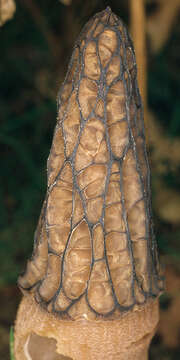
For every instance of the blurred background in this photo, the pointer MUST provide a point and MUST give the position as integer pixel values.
(36, 40)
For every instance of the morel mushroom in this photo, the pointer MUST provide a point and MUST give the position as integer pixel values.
(92, 284)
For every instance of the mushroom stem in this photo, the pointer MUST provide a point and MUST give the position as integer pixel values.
(138, 32)
(166, 14)
(7, 10)
(125, 338)
(92, 284)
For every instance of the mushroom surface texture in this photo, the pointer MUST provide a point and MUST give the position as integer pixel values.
(92, 284)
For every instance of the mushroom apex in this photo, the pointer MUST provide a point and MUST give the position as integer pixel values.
(108, 9)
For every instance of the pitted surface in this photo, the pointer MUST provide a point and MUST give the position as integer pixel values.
(95, 252)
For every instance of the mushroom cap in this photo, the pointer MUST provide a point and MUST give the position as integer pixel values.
(94, 253)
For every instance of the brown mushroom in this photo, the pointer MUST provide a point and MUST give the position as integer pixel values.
(93, 281)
